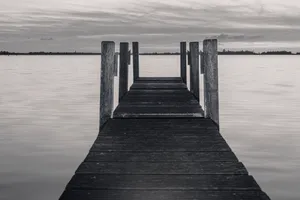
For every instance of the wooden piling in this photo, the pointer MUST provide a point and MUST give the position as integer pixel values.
(189, 57)
(123, 76)
(135, 58)
(201, 63)
(107, 81)
(211, 93)
(116, 57)
(129, 57)
(194, 69)
(183, 61)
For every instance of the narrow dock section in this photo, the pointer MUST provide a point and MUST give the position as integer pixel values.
(159, 144)
(158, 97)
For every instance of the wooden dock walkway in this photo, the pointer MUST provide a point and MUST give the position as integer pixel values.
(159, 144)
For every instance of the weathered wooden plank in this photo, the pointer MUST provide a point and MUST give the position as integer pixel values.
(162, 139)
(207, 146)
(168, 156)
(183, 61)
(158, 131)
(156, 91)
(173, 98)
(159, 79)
(159, 103)
(164, 110)
(176, 93)
(162, 195)
(146, 86)
(159, 111)
(159, 182)
(190, 167)
(107, 81)
(123, 77)
(175, 123)
(180, 125)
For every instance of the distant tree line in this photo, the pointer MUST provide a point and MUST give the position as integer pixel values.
(224, 52)
(243, 52)
(48, 53)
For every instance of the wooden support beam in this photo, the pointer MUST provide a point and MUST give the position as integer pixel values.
(202, 63)
(189, 57)
(183, 61)
(116, 56)
(107, 81)
(123, 76)
(129, 57)
(135, 58)
(194, 69)
(211, 93)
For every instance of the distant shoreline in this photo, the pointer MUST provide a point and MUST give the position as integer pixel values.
(224, 52)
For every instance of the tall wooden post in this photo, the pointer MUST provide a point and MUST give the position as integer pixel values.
(201, 63)
(129, 57)
(211, 93)
(194, 69)
(183, 61)
(116, 59)
(123, 76)
(136, 62)
(107, 81)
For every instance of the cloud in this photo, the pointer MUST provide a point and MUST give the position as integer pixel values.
(76, 25)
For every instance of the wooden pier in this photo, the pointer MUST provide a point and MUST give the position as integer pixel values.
(159, 143)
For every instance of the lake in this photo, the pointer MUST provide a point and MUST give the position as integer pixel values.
(49, 111)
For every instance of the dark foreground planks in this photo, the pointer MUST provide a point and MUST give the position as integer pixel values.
(162, 195)
(144, 159)
(159, 147)
(190, 167)
(158, 182)
(162, 156)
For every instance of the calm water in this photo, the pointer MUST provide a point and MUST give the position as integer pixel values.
(49, 107)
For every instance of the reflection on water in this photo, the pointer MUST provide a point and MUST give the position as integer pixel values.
(49, 107)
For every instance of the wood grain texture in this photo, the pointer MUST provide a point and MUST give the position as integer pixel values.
(145, 168)
(183, 61)
(163, 156)
(163, 195)
(123, 76)
(147, 86)
(211, 83)
(194, 70)
(159, 79)
(106, 81)
(171, 182)
(135, 60)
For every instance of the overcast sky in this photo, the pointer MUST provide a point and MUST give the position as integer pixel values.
(81, 25)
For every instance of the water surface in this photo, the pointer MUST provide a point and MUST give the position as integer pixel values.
(49, 108)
